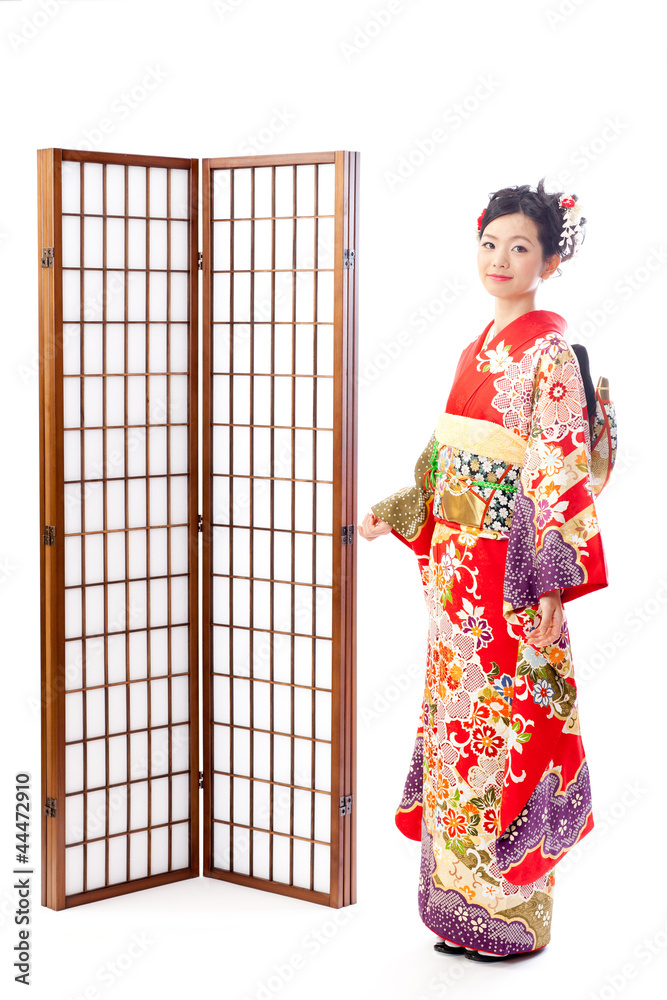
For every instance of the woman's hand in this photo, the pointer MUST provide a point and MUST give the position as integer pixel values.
(372, 527)
(550, 610)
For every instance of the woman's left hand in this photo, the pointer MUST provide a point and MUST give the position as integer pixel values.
(550, 610)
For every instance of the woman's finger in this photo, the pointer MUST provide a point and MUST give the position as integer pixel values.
(549, 627)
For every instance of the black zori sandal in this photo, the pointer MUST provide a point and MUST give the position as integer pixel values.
(448, 949)
(481, 956)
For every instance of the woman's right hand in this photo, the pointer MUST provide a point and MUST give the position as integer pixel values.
(372, 527)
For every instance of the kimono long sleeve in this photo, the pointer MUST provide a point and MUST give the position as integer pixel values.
(410, 510)
(554, 539)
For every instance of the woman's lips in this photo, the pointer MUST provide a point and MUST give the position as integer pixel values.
(500, 277)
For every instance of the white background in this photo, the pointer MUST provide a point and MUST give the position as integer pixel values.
(570, 90)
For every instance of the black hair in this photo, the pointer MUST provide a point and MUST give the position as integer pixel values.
(540, 206)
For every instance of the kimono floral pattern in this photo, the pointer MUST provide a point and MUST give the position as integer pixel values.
(498, 788)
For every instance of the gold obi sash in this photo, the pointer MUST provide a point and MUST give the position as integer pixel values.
(475, 468)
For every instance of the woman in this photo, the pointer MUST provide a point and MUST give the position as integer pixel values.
(503, 522)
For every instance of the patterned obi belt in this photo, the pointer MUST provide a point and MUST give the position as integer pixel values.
(474, 473)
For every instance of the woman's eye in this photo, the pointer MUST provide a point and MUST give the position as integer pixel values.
(517, 247)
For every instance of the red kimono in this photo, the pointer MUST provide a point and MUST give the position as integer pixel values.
(502, 511)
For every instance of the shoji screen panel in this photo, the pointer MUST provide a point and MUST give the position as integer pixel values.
(279, 421)
(118, 388)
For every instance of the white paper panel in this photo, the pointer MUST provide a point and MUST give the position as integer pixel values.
(159, 801)
(301, 864)
(137, 190)
(281, 847)
(74, 767)
(117, 859)
(95, 871)
(180, 793)
(71, 186)
(180, 846)
(118, 797)
(117, 759)
(261, 842)
(74, 870)
(180, 194)
(322, 856)
(138, 855)
(92, 185)
(159, 850)
(96, 763)
(74, 818)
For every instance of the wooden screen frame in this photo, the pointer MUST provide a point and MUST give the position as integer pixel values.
(342, 891)
(344, 732)
(52, 556)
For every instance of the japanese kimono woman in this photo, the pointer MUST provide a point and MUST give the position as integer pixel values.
(502, 510)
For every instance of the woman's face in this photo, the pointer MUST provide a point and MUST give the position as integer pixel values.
(510, 247)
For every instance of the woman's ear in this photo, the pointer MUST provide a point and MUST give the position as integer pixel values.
(550, 266)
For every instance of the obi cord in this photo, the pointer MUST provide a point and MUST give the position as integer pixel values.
(429, 477)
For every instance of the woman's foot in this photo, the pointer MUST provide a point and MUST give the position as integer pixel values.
(448, 948)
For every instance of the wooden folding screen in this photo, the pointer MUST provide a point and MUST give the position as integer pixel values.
(278, 563)
(118, 237)
(118, 327)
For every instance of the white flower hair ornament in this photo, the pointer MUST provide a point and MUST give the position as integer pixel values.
(571, 234)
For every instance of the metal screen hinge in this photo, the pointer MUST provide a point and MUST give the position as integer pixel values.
(201, 779)
(200, 522)
(51, 807)
(345, 805)
(348, 258)
(47, 257)
(49, 536)
(200, 261)
(347, 534)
